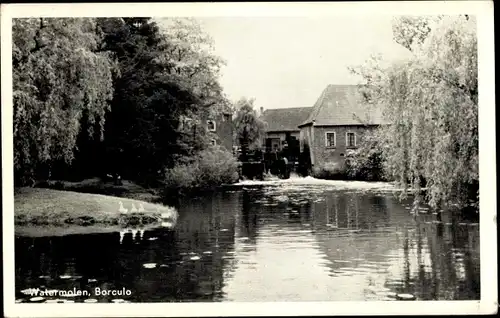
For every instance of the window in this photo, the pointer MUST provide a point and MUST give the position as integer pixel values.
(350, 138)
(211, 125)
(226, 117)
(330, 139)
(213, 142)
(185, 123)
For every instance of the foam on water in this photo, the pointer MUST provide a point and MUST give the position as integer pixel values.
(298, 181)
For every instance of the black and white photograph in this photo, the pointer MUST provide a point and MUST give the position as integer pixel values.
(248, 159)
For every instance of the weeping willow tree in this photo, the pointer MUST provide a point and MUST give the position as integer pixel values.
(431, 103)
(249, 128)
(59, 76)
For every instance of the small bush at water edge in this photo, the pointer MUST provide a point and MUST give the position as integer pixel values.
(365, 164)
(211, 167)
(329, 171)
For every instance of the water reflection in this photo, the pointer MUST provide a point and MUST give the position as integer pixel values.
(271, 244)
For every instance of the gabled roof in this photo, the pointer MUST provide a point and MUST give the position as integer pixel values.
(342, 105)
(285, 119)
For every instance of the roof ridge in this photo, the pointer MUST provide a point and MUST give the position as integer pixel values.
(316, 107)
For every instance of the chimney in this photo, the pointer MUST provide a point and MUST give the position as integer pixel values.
(261, 110)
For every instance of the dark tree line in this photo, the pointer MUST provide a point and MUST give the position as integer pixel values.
(109, 95)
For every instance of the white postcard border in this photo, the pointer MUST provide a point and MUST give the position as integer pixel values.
(488, 248)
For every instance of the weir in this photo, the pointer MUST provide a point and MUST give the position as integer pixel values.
(258, 164)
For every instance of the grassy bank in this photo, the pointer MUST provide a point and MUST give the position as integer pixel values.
(67, 209)
(126, 189)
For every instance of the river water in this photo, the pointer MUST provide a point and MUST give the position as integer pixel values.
(275, 242)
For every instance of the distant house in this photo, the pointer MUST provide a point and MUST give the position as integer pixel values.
(282, 126)
(218, 124)
(336, 124)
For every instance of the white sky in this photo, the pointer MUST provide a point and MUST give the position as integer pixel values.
(288, 61)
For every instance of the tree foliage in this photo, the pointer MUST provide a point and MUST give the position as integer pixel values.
(141, 131)
(249, 129)
(366, 162)
(207, 169)
(59, 75)
(127, 81)
(166, 79)
(411, 31)
(431, 103)
(188, 57)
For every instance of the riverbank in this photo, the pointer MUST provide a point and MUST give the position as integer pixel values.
(73, 212)
(126, 189)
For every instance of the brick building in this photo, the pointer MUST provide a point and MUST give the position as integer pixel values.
(336, 124)
(221, 127)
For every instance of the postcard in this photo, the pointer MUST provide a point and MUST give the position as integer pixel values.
(248, 159)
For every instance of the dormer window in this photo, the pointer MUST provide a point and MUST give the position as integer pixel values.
(211, 125)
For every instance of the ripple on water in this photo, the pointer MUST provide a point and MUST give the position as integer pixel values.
(342, 261)
(37, 299)
(90, 300)
(371, 265)
(118, 301)
(394, 284)
(405, 297)
(360, 270)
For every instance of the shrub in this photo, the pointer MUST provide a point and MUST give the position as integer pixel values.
(329, 171)
(211, 167)
(365, 164)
